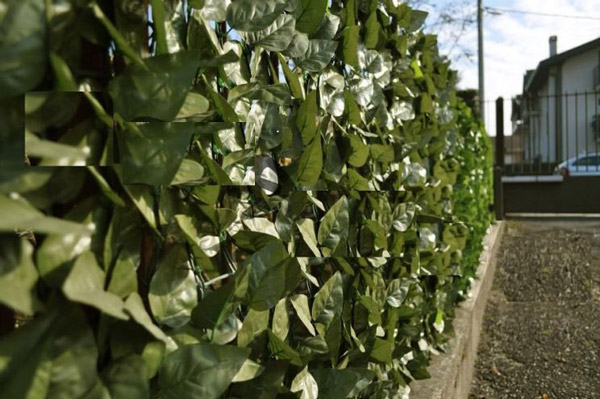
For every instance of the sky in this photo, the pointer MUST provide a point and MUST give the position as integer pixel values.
(515, 42)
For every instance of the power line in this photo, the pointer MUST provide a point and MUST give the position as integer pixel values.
(493, 10)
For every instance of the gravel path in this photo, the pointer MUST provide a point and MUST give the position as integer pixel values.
(541, 336)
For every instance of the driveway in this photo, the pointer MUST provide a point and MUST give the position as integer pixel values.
(541, 336)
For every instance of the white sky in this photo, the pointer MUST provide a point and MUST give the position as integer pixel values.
(517, 42)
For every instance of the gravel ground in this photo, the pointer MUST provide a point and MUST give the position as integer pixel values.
(541, 336)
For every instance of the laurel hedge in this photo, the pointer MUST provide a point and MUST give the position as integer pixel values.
(230, 199)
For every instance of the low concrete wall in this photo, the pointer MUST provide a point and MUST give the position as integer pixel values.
(452, 372)
(572, 195)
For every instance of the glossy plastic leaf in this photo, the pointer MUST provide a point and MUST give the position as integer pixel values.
(173, 293)
(305, 383)
(309, 15)
(318, 56)
(307, 230)
(153, 152)
(200, 371)
(253, 15)
(310, 164)
(271, 276)
(85, 284)
(329, 300)
(23, 46)
(255, 323)
(277, 36)
(281, 320)
(300, 304)
(18, 275)
(306, 119)
(157, 92)
(334, 226)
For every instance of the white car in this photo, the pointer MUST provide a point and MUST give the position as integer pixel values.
(582, 165)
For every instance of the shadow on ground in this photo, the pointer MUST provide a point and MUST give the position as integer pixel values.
(541, 336)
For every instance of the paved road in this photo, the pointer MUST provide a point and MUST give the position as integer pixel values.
(541, 336)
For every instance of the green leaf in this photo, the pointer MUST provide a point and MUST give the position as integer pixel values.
(267, 385)
(85, 284)
(351, 109)
(125, 378)
(18, 215)
(223, 107)
(281, 320)
(123, 279)
(271, 133)
(305, 383)
(328, 29)
(300, 304)
(309, 15)
(52, 356)
(277, 36)
(156, 92)
(18, 275)
(64, 78)
(255, 323)
(306, 119)
(134, 306)
(249, 371)
(275, 94)
(173, 293)
(23, 51)
(341, 384)
(105, 187)
(356, 181)
(382, 153)
(152, 153)
(291, 78)
(194, 105)
(372, 34)
(120, 41)
(310, 164)
(272, 274)
(280, 350)
(160, 33)
(318, 56)
(218, 305)
(333, 230)
(200, 371)
(359, 152)
(307, 230)
(298, 47)
(253, 15)
(189, 173)
(329, 300)
(350, 49)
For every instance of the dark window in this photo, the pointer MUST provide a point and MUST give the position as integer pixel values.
(588, 161)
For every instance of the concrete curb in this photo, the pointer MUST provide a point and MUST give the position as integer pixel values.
(452, 372)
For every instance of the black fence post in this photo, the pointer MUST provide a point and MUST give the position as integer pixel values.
(499, 164)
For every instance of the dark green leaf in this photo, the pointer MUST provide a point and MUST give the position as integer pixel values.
(334, 227)
(200, 371)
(157, 92)
(309, 15)
(153, 152)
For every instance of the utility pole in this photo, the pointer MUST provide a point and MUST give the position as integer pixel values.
(480, 53)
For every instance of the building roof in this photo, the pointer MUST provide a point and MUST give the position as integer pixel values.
(538, 77)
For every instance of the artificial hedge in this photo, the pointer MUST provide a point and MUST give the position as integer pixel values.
(245, 199)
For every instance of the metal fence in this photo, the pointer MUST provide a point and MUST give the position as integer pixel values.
(547, 130)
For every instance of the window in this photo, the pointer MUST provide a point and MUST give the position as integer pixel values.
(588, 161)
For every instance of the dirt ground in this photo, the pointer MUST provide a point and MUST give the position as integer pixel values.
(541, 336)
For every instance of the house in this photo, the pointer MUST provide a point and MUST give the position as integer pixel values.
(557, 116)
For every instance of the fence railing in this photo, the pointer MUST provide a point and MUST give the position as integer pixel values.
(548, 130)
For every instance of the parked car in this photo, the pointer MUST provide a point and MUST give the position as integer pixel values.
(582, 165)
